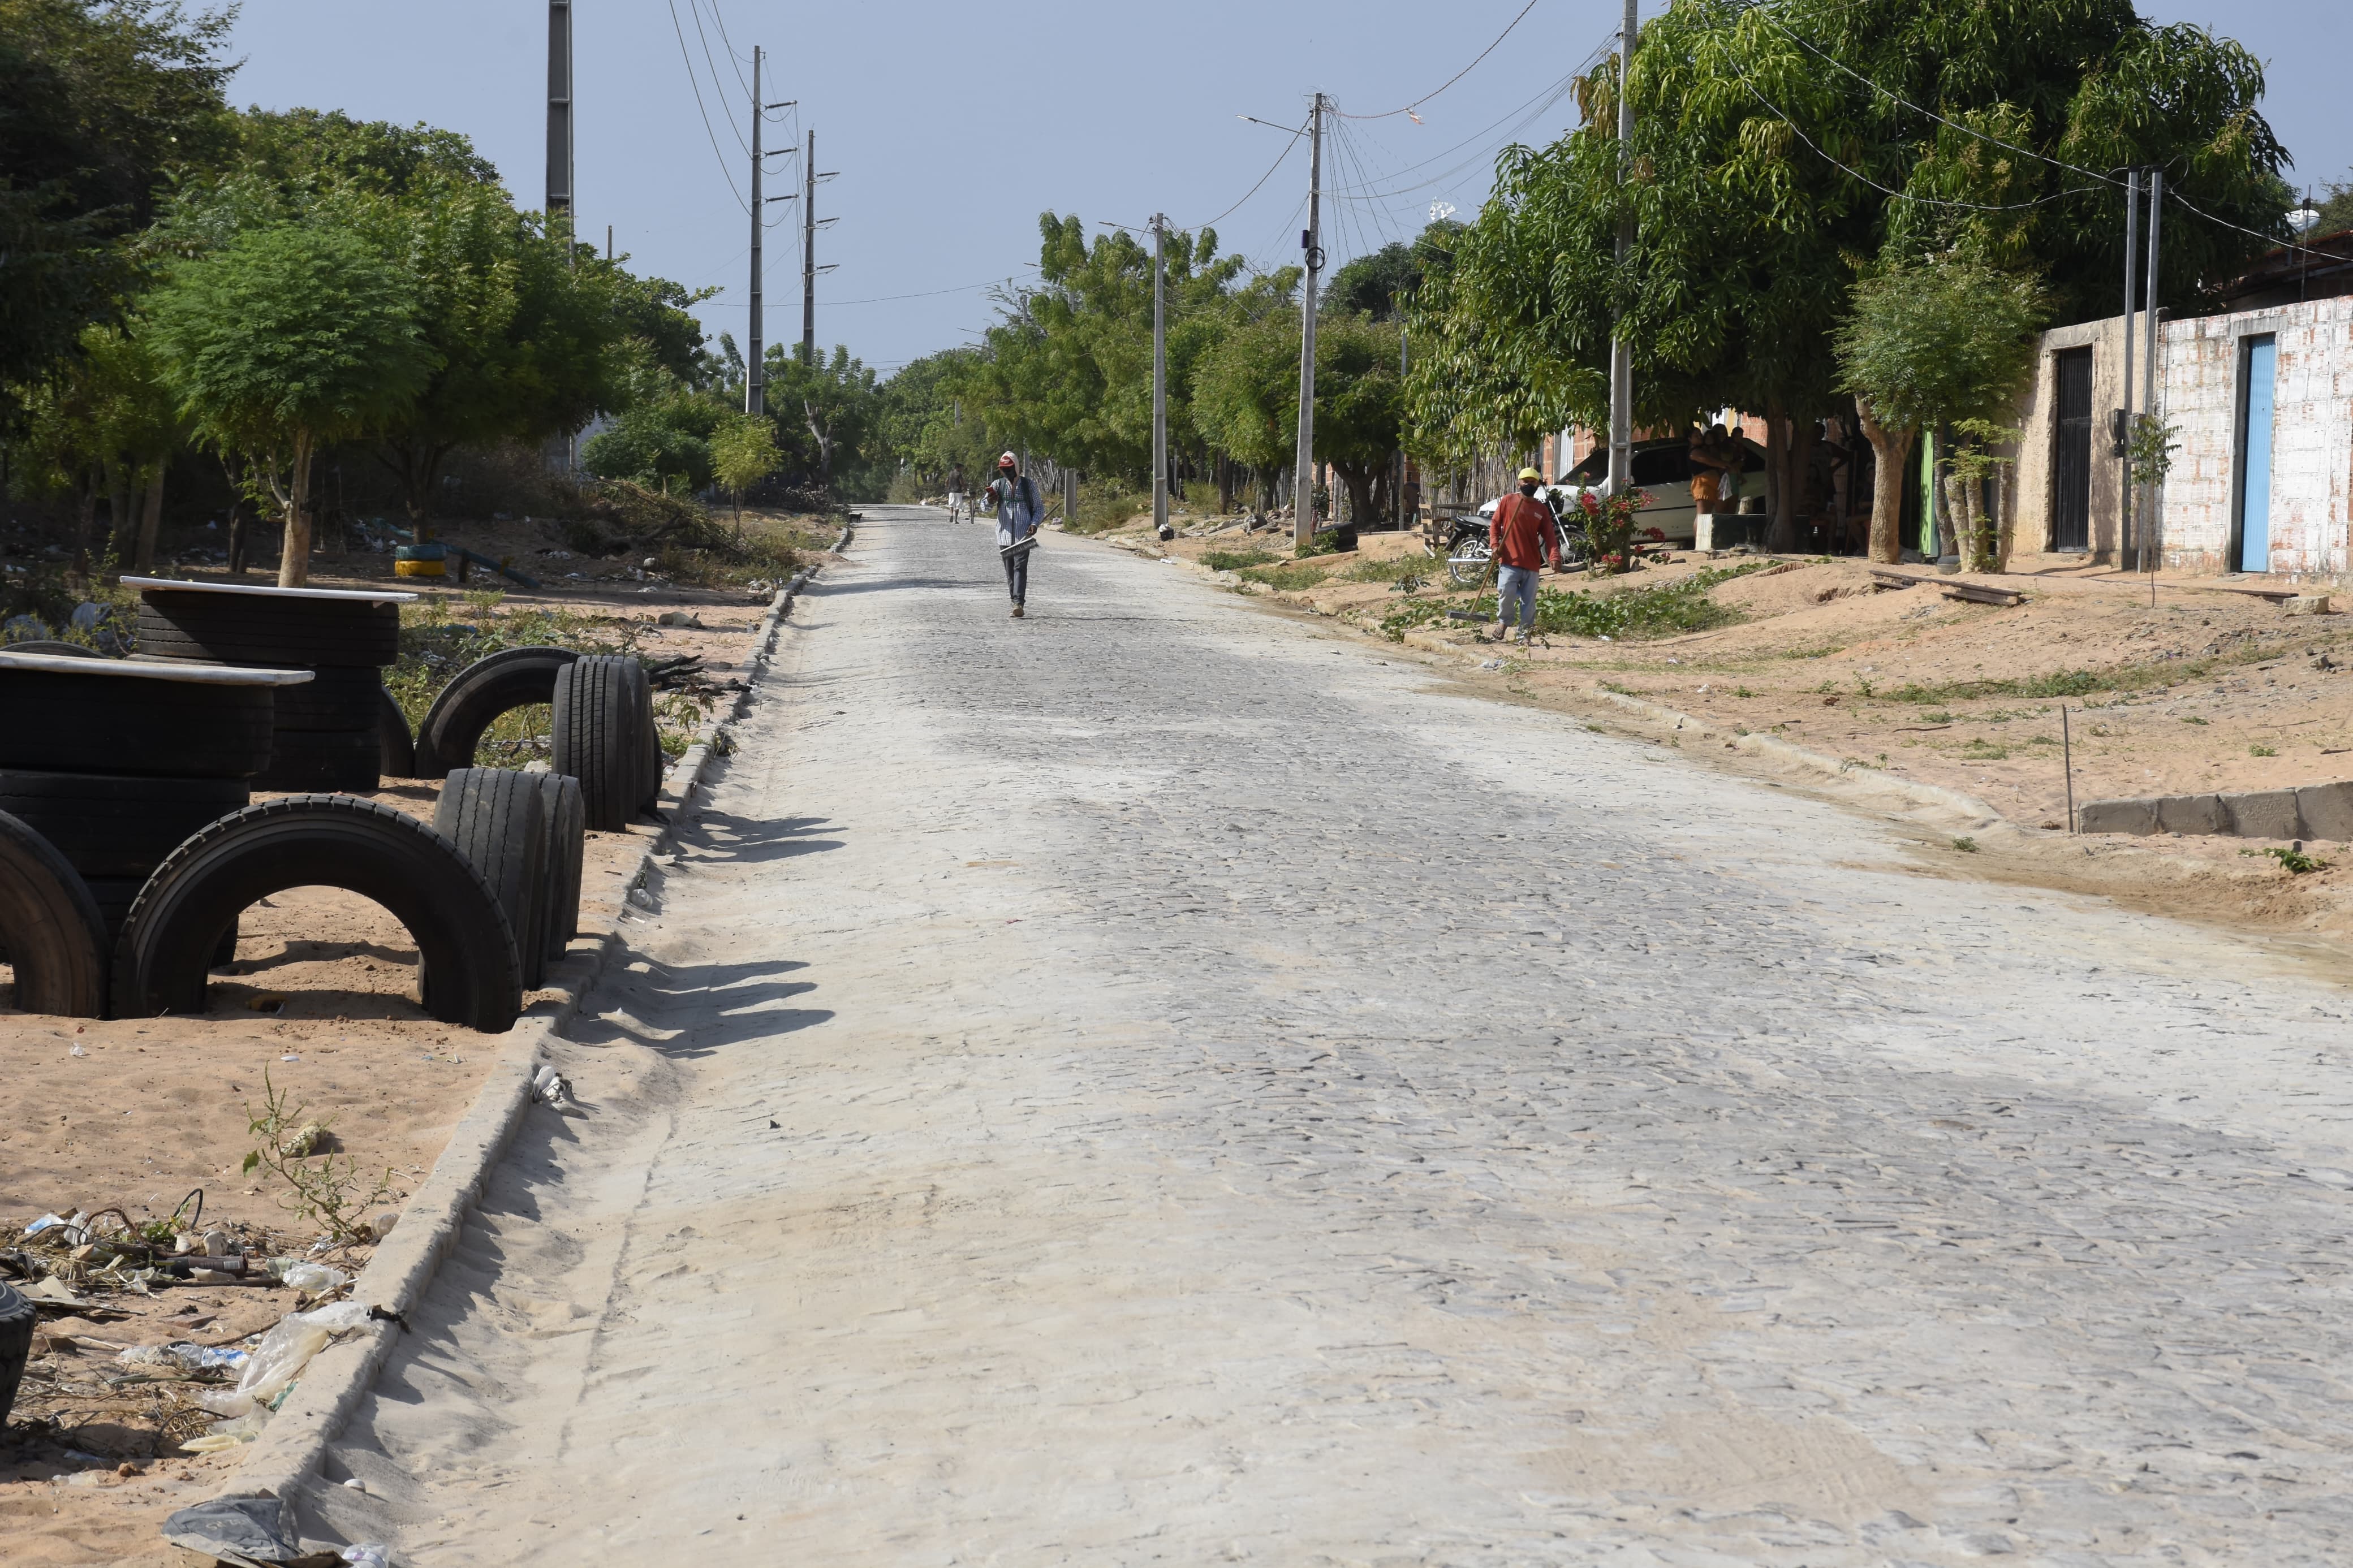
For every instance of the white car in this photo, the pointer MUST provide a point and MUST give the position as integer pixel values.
(1662, 471)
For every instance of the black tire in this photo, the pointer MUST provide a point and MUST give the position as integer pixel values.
(495, 818)
(657, 764)
(344, 761)
(336, 697)
(111, 723)
(52, 650)
(50, 927)
(258, 628)
(331, 841)
(395, 748)
(16, 1320)
(108, 826)
(598, 736)
(566, 819)
(476, 694)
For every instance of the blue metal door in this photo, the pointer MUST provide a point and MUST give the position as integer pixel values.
(2255, 401)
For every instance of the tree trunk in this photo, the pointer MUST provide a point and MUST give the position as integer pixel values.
(1798, 485)
(1889, 449)
(85, 522)
(150, 519)
(823, 435)
(1359, 484)
(294, 558)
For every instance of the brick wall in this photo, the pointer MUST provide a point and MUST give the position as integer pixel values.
(2312, 440)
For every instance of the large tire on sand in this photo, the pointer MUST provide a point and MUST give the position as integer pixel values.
(109, 722)
(331, 841)
(52, 648)
(603, 706)
(495, 818)
(16, 1317)
(567, 821)
(475, 697)
(257, 628)
(50, 927)
(336, 697)
(347, 762)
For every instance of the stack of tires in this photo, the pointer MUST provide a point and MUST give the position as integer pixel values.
(603, 734)
(342, 731)
(113, 763)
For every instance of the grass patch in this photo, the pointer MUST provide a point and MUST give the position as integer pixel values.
(1371, 571)
(1967, 846)
(1323, 541)
(2066, 683)
(1235, 560)
(2193, 721)
(1287, 579)
(1985, 752)
(2261, 752)
(1630, 614)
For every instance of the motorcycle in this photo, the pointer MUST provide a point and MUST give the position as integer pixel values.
(1468, 557)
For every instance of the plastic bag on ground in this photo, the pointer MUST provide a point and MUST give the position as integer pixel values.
(186, 1357)
(314, 1278)
(287, 1349)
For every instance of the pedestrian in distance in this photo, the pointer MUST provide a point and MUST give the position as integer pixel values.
(955, 494)
(1016, 500)
(1523, 535)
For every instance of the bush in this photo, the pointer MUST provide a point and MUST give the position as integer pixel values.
(1235, 560)
(1668, 610)
(1323, 541)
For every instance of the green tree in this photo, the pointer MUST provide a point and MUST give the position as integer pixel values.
(1945, 342)
(102, 106)
(2336, 207)
(287, 338)
(1383, 283)
(1247, 398)
(102, 425)
(836, 403)
(659, 439)
(744, 453)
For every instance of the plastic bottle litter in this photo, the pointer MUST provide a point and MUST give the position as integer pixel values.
(287, 1349)
(188, 1357)
(226, 1403)
(314, 1278)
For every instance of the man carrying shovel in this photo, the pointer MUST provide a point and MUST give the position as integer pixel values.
(1523, 535)
(1016, 500)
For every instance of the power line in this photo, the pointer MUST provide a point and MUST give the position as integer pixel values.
(695, 82)
(1449, 81)
(717, 85)
(1279, 159)
(1528, 109)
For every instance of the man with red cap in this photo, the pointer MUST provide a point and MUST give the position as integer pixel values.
(1016, 500)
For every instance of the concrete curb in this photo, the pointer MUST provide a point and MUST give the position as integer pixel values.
(292, 1446)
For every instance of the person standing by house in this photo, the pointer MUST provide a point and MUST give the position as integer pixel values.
(1523, 535)
(1709, 460)
(955, 494)
(1016, 500)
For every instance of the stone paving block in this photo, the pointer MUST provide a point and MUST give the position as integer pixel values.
(2328, 811)
(2191, 813)
(2133, 816)
(2264, 814)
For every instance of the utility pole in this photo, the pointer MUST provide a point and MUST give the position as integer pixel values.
(2123, 431)
(808, 251)
(559, 113)
(1311, 241)
(2148, 540)
(1404, 369)
(1160, 375)
(756, 381)
(1621, 353)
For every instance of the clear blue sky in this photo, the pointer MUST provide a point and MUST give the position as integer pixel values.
(955, 125)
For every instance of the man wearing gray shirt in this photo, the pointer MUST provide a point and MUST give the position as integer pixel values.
(1016, 500)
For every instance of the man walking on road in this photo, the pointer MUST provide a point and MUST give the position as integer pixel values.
(1523, 535)
(1016, 500)
(955, 494)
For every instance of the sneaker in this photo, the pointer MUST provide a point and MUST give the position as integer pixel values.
(1016, 612)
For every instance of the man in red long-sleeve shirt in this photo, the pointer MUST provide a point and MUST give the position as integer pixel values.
(1524, 534)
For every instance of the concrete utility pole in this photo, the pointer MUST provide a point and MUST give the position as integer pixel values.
(559, 113)
(1159, 373)
(1310, 240)
(1621, 353)
(2148, 540)
(808, 251)
(756, 381)
(2123, 431)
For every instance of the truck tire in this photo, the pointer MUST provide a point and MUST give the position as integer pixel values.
(109, 826)
(495, 818)
(331, 841)
(566, 819)
(395, 748)
(255, 628)
(114, 723)
(343, 761)
(598, 737)
(50, 927)
(475, 697)
(53, 649)
(336, 697)
(17, 1317)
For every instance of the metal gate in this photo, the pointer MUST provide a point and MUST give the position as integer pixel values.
(2071, 461)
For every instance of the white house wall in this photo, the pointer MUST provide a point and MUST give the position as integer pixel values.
(2312, 442)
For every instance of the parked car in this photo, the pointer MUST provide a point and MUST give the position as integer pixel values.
(1663, 469)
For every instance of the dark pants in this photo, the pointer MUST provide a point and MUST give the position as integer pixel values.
(1016, 576)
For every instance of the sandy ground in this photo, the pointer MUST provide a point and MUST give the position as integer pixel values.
(1069, 1110)
(321, 1000)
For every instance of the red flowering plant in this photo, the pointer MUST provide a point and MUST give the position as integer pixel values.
(1609, 529)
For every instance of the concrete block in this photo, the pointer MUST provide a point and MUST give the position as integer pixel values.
(2191, 813)
(2264, 814)
(2327, 811)
(2117, 816)
(2308, 604)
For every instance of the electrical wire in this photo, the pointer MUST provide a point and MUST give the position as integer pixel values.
(696, 83)
(717, 85)
(729, 44)
(2172, 195)
(1526, 110)
(1281, 158)
(1457, 76)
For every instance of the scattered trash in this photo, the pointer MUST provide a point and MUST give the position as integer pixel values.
(1491, 664)
(550, 1088)
(679, 618)
(287, 1349)
(51, 1222)
(289, 1056)
(234, 1529)
(384, 1223)
(367, 1553)
(76, 1051)
(188, 1357)
(314, 1278)
(53, 1290)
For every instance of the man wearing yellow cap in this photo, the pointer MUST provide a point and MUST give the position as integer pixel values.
(1523, 535)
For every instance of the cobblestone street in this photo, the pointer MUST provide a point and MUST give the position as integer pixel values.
(1160, 1083)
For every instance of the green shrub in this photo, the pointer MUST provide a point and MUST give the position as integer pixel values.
(1235, 560)
(1323, 541)
(1630, 614)
(1287, 579)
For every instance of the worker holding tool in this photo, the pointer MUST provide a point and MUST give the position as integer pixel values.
(1016, 500)
(1523, 535)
